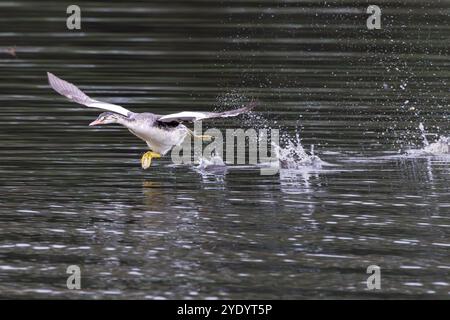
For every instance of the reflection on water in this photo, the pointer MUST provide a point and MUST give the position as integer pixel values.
(71, 194)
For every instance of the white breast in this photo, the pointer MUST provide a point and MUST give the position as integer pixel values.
(161, 140)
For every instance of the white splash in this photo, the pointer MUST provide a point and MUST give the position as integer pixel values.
(294, 156)
(424, 135)
(438, 148)
(213, 163)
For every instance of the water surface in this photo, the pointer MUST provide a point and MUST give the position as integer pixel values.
(76, 195)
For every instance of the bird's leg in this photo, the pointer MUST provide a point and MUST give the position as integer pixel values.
(201, 136)
(204, 137)
(146, 159)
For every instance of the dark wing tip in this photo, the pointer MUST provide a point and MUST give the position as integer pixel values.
(52, 79)
(67, 89)
(253, 103)
(50, 76)
(247, 108)
(57, 84)
(236, 112)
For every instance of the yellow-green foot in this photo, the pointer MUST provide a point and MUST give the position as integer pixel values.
(204, 137)
(146, 159)
(200, 136)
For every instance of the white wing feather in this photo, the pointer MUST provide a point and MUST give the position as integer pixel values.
(195, 116)
(71, 92)
(184, 116)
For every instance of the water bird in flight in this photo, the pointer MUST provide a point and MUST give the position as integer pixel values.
(160, 132)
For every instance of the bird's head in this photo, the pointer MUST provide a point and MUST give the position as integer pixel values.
(105, 118)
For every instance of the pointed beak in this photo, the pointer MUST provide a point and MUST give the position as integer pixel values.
(95, 122)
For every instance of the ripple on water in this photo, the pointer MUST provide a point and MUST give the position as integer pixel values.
(72, 194)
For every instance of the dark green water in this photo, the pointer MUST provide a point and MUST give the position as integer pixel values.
(76, 195)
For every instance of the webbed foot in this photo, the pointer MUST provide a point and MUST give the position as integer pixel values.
(146, 159)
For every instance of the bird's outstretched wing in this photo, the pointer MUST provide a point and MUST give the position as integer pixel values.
(195, 116)
(71, 92)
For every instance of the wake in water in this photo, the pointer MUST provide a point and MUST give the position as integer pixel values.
(287, 154)
(291, 156)
(440, 148)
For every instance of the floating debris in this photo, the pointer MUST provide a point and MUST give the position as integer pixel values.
(10, 51)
